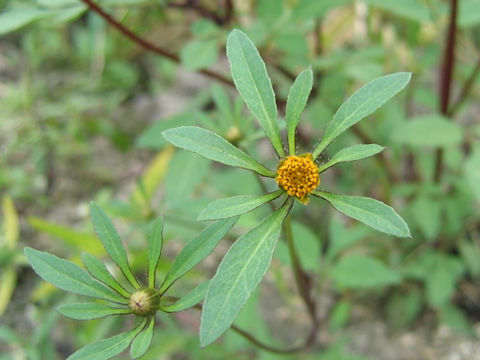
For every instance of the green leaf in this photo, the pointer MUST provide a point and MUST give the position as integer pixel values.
(432, 130)
(371, 212)
(189, 300)
(89, 311)
(252, 82)
(222, 103)
(360, 272)
(152, 137)
(236, 205)
(143, 340)
(296, 101)
(214, 147)
(238, 274)
(305, 9)
(197, 250)
(444, 271)
(307, 244)
(408, 9)
(471, 171)
(155, 243)
(11, 227)
(361, 104)
(427, 214)
(198, 55)
(107, 348)
(352, 153)
(456, 320)
(339, 315)
(15, 19)
(8, 281)
(68, 276)
(112, 242)
(469, 13)
(71, 237)
(97, 269)
(185, 172)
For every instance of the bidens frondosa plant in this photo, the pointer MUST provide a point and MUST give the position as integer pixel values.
(129, 296)
(297, 176)
(246, 262)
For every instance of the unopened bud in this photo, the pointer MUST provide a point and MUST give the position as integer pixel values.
(144, 302)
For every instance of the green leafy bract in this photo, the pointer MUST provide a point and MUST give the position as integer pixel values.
(197, 250)
(238, 274)
(155, 243)
(361, 104)
(189, 300)
(214, 147)
(67, 276)
(236, 205)
(296, 101)
(143, 340)
(371, 212)
(98, 270)
(252, 82)
(107, 348)
(112, 242)
(352, 153)
(89, 311)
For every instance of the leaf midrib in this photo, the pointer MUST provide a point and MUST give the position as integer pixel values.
(272, 130)
(365, 104)
(260, 243)
(246, 164)
(259, 199)
(97, 287)
(369, 212)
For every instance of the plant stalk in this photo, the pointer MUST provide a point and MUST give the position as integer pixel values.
(446, 79)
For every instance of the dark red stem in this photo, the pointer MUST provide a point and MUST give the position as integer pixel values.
(446, 78)
(147, 45)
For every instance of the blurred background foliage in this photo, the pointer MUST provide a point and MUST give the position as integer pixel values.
(82, 110)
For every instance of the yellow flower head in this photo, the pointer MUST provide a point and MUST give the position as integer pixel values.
(298, 176)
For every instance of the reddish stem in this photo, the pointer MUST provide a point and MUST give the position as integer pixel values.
(149, 46)
(446, 79)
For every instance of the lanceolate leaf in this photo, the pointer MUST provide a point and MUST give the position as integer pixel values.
(296, 101)
(98, 270)
(142, 342)
(352, 153)
(112, 242)
(361, 104)
(236, 205)
(68, 276)
(252, 82)
(371, 212)
(189, 300)
(197, 250)
(89, 311)
(214, 147)
(107, 348)
(8, 280)
(360, 272)
(238, 274)
(155, 243)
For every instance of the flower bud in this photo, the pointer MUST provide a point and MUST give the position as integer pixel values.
(144, 302)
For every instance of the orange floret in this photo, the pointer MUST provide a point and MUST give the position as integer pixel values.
(298, 175)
